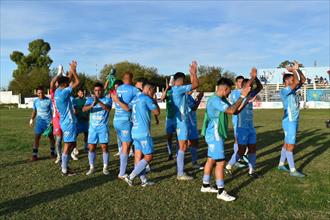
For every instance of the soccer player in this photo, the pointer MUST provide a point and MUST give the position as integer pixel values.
(42, 112)
(234, 95)
(82, 120)
(192, 128)
(170, 118)
(98, 132)
(246, 133)
(122, 119)
(292, 82)
(67, 117)
(181, 108)
(57, 132)
(215, 130)
(142, 105)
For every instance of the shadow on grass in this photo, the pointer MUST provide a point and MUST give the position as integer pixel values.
(27, 202)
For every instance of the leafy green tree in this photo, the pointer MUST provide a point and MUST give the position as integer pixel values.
(32, 69)
(285, 63)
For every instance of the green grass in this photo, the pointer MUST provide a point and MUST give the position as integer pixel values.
(38, 191)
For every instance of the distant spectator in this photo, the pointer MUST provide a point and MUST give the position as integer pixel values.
(325, 81)
(309, 81)
(316, 79)
(321, 80)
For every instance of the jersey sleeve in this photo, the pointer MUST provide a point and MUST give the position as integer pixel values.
(286, 91)
(220, 105)
(183, 89)
(67, 91)
(89, 101)
(150, 104)
(34, 107)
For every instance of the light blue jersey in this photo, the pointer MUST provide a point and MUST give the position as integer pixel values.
(192, 119)
(233, 97)
(125, 93)
(245, 117)
(64, 104)
(98, 116)
(43, 108)
(141, 117)
(214, 106)
(180, 106)
(290, 102)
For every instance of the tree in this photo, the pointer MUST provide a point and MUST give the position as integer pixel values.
(138, 70)
(32, 69)
(208, 76)
(286, 63)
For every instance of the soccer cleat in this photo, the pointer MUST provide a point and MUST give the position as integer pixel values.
(74, 156)
(228, 171)
(245, 158)
(105, 171)
(197, 166)
(147, 183)
(209, 189)
(296, 174)
(225, 196)
(117, 154)
(128, 181)
(184, 177)
(283, 168)
(34, 158)
(75, 151)
(254, 175)
(58, 159)
(68, 173)
(90, 171)
(122, 177)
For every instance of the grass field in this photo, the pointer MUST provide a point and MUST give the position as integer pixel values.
(36, 190)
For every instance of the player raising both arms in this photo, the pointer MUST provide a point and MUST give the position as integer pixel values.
(67, 117)
(215, 130)
(98, 132)
(292, 82)
(246, 133)
(141, 107)
(42, 112)
(181, 109)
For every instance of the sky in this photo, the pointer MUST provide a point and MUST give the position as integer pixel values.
(168, 35)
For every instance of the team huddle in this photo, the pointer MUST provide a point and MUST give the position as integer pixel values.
(62, 118)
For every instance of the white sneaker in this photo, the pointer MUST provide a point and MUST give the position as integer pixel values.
(117, 154)
(105, 171)
(73, 156)
(75, 151)
(225, 196)
(184, 177)
(58, 159)
(147, 183)
(90, 171)
(122, 177)
(197, 166)
(209, 189)
(148, 168)
(128, 180)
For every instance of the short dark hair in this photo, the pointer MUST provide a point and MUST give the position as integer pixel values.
(286, 76)
(239, 77)
(118, 82)
(81, 89)
(225, 82)
(147, 83)
(40, 88)
(179, 75)
(98, 84)
(63, 79)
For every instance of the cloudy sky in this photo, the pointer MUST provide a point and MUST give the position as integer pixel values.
(168, 34)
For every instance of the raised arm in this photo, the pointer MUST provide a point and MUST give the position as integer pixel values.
(293, 69)
(253, 75)
(233, 109)
(301, 75)
(121, 104)
(163, 97)
(193, 75)
(73, 71)
(198, 100)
